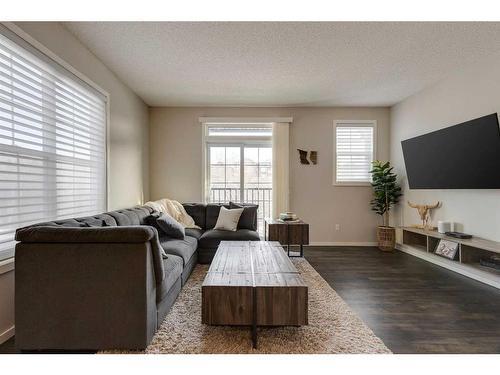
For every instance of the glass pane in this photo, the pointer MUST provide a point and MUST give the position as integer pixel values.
(233, 155)
(217, 175)
(217, 155)
(251, 176)
(233, 175)
(251, 155)
(265, 155)
(265, 176)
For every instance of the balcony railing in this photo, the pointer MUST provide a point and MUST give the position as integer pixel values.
(261, 196)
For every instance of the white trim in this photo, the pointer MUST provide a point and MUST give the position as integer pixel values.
(343, 244)
(358, 123)
(226, 141)
(108, 154)
(7, 334)
(236, 139)
(243, 120)
(6, 265)
(460, 268)
(204, 161)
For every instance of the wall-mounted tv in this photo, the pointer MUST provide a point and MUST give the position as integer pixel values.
(463, 156)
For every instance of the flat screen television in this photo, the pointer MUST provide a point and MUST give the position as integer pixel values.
(463, 156)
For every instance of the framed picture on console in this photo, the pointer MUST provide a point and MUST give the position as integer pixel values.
(447, 249)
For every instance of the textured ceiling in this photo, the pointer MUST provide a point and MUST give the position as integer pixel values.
(284, 64)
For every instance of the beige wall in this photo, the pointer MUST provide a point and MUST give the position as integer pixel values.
(176, 165)
(128, 129)
(465, 95)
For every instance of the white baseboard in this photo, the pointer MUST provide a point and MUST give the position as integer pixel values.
(6, 265)
(343, 244)
(7, 334)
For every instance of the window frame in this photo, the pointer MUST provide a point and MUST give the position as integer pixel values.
(27, 42)
(352, 123)
(227, 141)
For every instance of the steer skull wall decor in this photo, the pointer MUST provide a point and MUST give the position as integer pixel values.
(424, 212)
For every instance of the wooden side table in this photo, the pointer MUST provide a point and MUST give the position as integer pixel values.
(296, 233)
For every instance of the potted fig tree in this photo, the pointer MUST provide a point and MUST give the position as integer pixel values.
(386, 193)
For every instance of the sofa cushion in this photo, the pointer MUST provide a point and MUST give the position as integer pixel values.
(68, 223)
(213, 214)
(171, 227)
(184, 248)
(194, 232)
(98, 221)
(197, 211)
(142, 212)
(212, 238)
(173, 270)
(248, 219)
(120, 218)
(132, 216)
(228, 219)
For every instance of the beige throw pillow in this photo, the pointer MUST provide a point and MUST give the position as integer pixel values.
(228, 219)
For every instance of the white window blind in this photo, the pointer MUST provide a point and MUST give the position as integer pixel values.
(52, 142)
(354, 151)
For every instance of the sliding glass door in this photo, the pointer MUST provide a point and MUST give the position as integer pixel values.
(241, 172)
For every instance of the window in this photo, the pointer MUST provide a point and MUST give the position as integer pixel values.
(239, 166)
(354, 151)
(52, 141)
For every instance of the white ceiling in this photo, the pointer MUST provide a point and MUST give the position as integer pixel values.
(284, 63)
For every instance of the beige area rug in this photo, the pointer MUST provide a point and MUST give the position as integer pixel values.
(333, 327)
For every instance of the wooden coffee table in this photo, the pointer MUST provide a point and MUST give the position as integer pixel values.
(253, 284)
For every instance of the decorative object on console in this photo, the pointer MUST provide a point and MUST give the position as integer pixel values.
(461, 235)
(492, 261)
(447, 249)
(313, 157)
(386, 193)
(444, 226)
(288, 216)
(424, 212)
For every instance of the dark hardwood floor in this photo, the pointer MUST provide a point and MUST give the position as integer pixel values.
(412, 305)
(8, 347)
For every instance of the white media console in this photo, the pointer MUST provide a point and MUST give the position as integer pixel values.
(422, 243)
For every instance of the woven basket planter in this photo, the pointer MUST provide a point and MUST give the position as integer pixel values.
(386, 238)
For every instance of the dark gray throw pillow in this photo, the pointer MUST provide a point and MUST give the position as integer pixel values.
(248, 217)
(171, 227)
(151, 221)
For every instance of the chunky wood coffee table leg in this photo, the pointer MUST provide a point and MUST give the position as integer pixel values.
(254, 318)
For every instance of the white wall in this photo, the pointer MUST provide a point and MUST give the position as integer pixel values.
(129, 138)
(462, 96)
(176, 165)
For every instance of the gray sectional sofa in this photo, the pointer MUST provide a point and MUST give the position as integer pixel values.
(101, 282)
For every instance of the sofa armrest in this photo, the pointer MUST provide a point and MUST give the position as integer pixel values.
(126, 234)
(84, 296)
